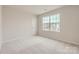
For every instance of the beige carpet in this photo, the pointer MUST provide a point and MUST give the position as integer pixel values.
(38, 45)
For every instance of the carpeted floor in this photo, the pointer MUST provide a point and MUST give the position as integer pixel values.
(38, 45)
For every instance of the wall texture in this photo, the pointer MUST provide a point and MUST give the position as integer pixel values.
(69, 25)
(16, 24)
(0, 26)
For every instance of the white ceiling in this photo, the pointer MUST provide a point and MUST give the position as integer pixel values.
(36, 9)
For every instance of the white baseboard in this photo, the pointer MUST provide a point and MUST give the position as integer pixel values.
(69, 42)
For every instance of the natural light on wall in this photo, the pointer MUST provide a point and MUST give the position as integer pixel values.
(51, 23)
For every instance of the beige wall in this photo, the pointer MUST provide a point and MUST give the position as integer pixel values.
(69, 25)
(0, 26)
(34, 25)
(16, 24)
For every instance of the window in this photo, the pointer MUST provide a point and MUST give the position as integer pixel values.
(46, 23)
(51, 23)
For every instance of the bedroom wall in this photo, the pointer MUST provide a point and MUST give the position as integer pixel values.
(69, 25)
(17, 24)
(34, 25)
(0, 27)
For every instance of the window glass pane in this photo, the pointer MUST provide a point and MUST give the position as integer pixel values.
(58, 27)
(46, 26)
(46, 19)
(51, 19)
(58, 18)
(53, 27)
(55, 18)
